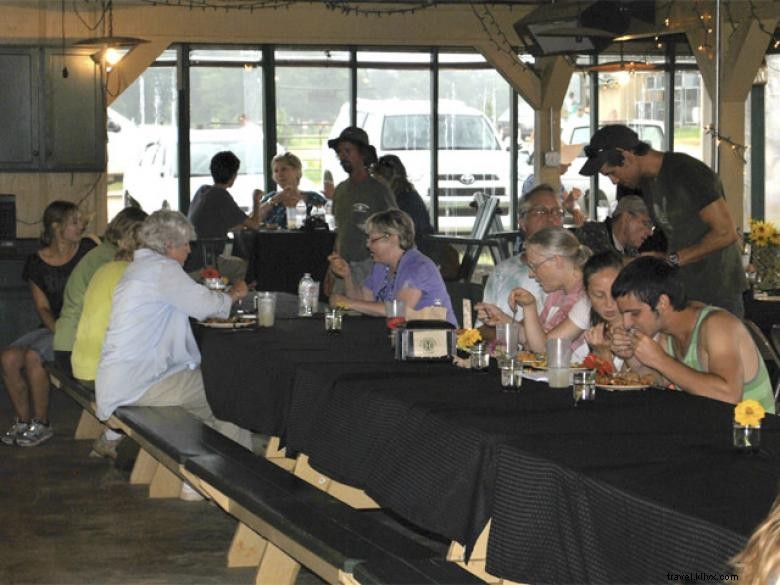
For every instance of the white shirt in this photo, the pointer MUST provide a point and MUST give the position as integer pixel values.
(149, 336)
(508, 274)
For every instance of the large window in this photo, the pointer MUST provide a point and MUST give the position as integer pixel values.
(472, 158)
(226, 113)
(312, 88)
(140, 122)
(772, 133)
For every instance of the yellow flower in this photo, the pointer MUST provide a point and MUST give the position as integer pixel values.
(763, 233)
(749, 413)
(468, 337)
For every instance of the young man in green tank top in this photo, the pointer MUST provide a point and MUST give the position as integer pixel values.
(700, 349)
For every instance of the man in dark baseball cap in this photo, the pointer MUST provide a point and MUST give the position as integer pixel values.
(686, 199)
(606, 147)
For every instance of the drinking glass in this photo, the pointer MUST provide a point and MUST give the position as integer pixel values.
(333, 319)
(558, 362)
(584, 385)
(395, 313)
(480, 358)
(507, 335)
(266, 308)
(511, 374)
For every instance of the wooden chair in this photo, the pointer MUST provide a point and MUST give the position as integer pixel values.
(767, 352)
(486, 219)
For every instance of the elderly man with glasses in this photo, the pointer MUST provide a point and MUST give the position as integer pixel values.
(624, 232)
(537, 209)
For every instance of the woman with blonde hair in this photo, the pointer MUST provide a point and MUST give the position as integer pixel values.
(400, 271)
(759, 562)
(287, 172)
(555, 259)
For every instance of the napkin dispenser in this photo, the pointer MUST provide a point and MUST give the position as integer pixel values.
(425, 340)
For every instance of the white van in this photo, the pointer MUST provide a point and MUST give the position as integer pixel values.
(471, 158)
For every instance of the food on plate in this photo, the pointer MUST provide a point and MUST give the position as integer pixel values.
(539, 360)
(624, 379)
(532, 359)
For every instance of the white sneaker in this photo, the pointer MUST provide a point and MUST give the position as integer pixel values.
(9, 437)
(35, 434)
(189, 493)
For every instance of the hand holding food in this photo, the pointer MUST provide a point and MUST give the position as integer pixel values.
(622, 343)
(648, 351)
(598, 337)
(239, 290)
(339, 266)
(491, 315)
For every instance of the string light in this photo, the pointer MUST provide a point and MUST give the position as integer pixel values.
(739, 150)
(495, 33)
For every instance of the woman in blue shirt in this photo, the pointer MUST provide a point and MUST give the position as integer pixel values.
(287, 172)
(400, 271)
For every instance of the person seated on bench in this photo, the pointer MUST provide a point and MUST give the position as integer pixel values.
(149, 355)
(73, 299)
(93, 323)
(47, 271)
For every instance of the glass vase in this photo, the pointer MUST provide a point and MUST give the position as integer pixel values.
(746, 438)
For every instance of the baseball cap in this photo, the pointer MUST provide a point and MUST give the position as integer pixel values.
(604, 144)
(350, 134)
(631, 203)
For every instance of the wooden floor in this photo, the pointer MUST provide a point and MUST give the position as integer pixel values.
(66, 518)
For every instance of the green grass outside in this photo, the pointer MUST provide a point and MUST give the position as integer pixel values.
(687, 135)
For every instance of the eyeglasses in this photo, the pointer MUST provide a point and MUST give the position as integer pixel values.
(377, 238)
(542, 211)
(534, 267)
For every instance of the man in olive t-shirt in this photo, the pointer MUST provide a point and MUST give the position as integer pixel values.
(355, 200)
(686, 199)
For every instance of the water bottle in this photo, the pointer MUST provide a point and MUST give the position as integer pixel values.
(305, 305)
(300, 213)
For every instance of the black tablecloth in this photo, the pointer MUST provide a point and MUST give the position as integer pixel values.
(278, 259)
(627, 488)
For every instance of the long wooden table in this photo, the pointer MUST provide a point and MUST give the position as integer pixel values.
(625, 489)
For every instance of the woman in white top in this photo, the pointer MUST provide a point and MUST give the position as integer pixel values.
(555, 259)
(598, 274)
(149, 355)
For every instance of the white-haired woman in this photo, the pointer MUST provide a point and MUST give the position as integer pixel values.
(400, 271)
(149, 355)
(555, 259)
(287, 172)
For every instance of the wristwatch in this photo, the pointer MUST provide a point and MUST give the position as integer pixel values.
(674, 259)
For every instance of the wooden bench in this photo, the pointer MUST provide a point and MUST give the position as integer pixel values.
(284, 521)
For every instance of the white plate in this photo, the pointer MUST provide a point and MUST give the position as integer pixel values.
(612, 387)
(227, 324)
(538, 375)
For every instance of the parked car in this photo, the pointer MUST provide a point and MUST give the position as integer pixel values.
(153, 181)
(650, 131)
(471, 157)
